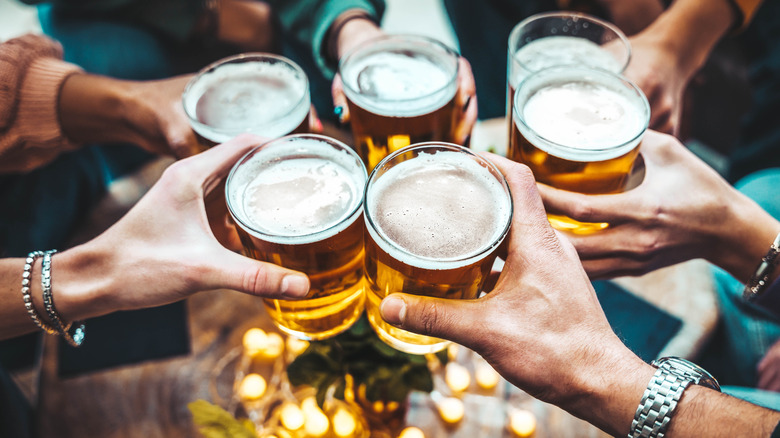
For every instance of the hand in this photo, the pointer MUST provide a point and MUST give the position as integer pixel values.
(541, 327)
(465, 102)
(657, 71)
(163, 249)
(247, 25)
(769, 369)
(632, 16)
(682, 210)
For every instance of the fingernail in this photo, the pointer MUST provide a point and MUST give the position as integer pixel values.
(295, 286)
(393, 310)
(339, 112)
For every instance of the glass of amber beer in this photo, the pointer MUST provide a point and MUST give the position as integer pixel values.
(435, 214)
(578, 129)
(297, 202)
(563, 38)
(400, 90)
(255, 93)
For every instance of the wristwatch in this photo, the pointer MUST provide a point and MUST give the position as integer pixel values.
(655, 411)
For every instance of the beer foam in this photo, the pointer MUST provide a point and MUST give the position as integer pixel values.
(439, 210)
(296, 192)
(268, 99)
(399, 84)
(553, 51)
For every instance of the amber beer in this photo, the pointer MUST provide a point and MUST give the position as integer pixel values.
(578, 129)
(435, 215)
(562, 38)
(297, 202)
(262, 94)
(400, 90)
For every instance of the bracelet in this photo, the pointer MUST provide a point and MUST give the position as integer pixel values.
(758, 282)
(28, 304)
(77, 337)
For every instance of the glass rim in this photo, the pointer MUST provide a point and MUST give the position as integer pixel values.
(513, 35)
(446, 146)
(517, 116)
(354, 212)
(234, 59)
(403, 37)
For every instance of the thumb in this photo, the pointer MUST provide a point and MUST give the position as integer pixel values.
(437, 317)
(339, 100)
(234, 271)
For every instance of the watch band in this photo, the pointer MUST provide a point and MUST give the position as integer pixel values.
(659, 400)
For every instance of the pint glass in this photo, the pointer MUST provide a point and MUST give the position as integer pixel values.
(563, 38)
(400, 90)
(435, 215)
(297, 202)
(261, 94)
(578, 129)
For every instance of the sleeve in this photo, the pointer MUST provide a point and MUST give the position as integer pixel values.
(308, 21)
(745, 9)
(31, 75)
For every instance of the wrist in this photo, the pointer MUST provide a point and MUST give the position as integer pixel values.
(352, 33)
(83, 282)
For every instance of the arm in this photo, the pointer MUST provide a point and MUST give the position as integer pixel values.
(160, 252)
(542, 329)
(682, 210)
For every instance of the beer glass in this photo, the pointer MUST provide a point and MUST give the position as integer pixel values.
(435, 214)
(297, 202)
(256, 93)
(578, 129)
(562, 38)
(400, 90)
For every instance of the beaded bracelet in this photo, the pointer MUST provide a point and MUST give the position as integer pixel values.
(77, 337)
(28, 304)
(758, 282)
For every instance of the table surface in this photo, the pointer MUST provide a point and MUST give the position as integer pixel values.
(150, 399)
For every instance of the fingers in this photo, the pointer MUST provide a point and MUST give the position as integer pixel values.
(339, 99)
(455, 320)
(228, 270)
(211, 166)
(587, 208)
(465, 102)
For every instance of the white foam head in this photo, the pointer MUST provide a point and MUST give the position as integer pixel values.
(581, 114)
(439, 210)
(297, 189)
(400, 76)
(554, 51)
(260, 94)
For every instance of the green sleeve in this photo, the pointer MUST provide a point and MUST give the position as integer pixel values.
(308, 21)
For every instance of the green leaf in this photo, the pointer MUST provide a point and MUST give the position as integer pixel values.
(215, 422)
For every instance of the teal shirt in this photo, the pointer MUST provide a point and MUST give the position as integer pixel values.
(307, 21)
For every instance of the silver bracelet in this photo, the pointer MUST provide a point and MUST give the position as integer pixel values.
(28, 304)
(758, 282)
(77, 337)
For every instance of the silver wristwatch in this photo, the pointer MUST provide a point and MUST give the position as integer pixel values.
(673, 375)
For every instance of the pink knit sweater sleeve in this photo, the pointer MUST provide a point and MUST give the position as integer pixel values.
(31, 75)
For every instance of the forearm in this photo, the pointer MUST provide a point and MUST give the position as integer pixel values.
(745, 237)
(691, 28)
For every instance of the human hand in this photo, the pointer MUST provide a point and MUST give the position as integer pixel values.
(658, 72)
(163, 249)
(465, 102)
(541, 327)
(769, 369)
(632, 16)
(682, 210)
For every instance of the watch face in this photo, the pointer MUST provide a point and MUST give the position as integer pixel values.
(685, 367)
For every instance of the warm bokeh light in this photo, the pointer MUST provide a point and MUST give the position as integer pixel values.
(291, 416)
(315, 423)
(252, 387)
(457, 377)
(296, 346)
(274, 346)
(451, 409)
(344, 423)
(522, 423)
(254, 341)
(411, 432)
(486, 376)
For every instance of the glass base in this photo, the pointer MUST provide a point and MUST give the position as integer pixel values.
(400, 339)
(565, 223)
